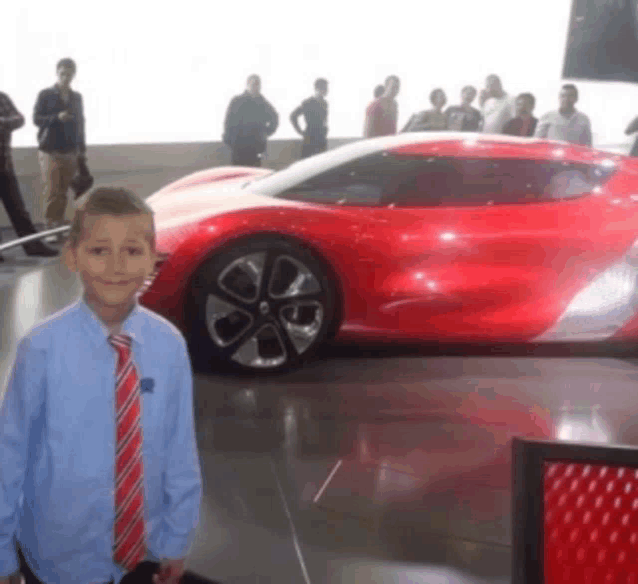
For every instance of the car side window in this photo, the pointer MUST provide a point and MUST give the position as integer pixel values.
(423, 182)
(459, 182)
(514, 181)
(384, 179)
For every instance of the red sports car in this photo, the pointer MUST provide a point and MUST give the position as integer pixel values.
(434, 237)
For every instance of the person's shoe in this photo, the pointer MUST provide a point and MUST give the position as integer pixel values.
(37, 248)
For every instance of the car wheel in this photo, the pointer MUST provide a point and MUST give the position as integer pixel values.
(261, 306)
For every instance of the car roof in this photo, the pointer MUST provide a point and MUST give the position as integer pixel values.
(468, 139)
(472, 143)
(407, 138)
(438, 143)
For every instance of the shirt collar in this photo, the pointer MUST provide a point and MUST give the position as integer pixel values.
(131, 326)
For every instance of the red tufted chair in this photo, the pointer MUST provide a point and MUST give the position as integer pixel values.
(574, 513)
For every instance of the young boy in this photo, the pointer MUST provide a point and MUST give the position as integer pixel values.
(99, 471)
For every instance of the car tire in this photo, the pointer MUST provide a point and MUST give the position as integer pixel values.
(260, 306)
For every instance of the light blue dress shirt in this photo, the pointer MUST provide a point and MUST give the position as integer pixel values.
(57, 446)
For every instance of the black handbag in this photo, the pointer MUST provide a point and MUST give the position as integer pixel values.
(82, 181)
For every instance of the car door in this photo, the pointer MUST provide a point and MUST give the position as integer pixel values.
(373, 246)
(405, 246)
(470, 249)
(535, 232)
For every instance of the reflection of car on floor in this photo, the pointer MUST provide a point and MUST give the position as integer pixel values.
(435, 237)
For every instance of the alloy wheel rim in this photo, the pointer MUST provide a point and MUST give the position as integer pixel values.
(264, 308)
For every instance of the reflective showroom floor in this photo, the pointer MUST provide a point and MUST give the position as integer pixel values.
(367, 465)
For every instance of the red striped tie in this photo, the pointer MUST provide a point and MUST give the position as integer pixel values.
(129, 548)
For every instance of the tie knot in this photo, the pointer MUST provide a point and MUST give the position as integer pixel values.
(120, 341)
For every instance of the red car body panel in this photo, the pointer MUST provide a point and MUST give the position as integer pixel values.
(502, 273)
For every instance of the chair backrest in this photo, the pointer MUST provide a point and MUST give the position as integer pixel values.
(574, 513)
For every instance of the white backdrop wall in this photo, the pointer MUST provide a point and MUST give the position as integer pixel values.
(154, 72)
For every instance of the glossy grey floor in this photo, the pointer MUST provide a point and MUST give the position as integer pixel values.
(366, 465)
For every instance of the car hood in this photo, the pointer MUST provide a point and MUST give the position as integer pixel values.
(193, 205)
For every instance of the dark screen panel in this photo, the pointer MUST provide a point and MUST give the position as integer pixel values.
(602, 41)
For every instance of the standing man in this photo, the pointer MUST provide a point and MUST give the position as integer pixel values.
(382, 113)
(11, 119)
(524, 124)
(566, 124)
(464, 117)
(496, 106)
(315, 112)
(59, 115)
(250, 121)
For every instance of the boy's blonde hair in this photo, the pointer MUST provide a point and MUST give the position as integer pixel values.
(115, 201)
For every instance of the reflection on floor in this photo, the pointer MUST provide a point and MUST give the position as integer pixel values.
(366, 469)
(268, 463)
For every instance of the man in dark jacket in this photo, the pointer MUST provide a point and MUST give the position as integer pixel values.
(315, 112)
(11, 119)
(59, 116)
(250, 121)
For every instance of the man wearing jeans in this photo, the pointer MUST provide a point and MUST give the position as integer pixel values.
(59, 116)
(10, 120)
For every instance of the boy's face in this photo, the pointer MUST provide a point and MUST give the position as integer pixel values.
(114, 258)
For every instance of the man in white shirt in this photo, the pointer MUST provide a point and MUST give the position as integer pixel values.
(496, 106)
(566, 124)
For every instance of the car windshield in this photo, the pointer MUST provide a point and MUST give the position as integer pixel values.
(273, 184)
